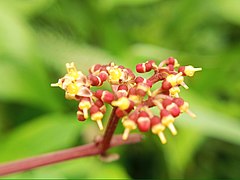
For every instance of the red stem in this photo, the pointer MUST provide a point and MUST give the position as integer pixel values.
(63, 155)
(111, 127)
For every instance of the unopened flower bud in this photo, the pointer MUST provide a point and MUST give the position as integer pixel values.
(172, 61)
(80, 115)
(95, 68)
(143, 121)
(122, 91)
(105, 96)
(100, 105)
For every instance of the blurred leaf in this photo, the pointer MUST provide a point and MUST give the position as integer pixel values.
(15, 34)
(228, 9)
(59, 51)
(29, 7)
(211, 123)
(42, 135)
(180, 150)
(109, 4)
(23, 84)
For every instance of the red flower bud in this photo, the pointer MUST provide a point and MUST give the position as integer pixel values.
(155, 120)
(100, 105)
(133, 116)
(164, 113)
(166, 102)
(140, 68)
(139, 79)
(95, 68)
(103, 76)
(171, 60)
(80, 115)
(178, 101)
(105, 96)
(143, 121)
(166, 85)
(95, 80)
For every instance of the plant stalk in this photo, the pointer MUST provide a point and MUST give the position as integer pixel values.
(64, 155)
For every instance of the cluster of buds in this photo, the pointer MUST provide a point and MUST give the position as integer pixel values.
(131, 95)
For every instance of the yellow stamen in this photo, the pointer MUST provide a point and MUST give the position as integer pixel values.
(129, 125)
(55, 85)
(100, 125)
(126, 133)
(174, 91)
(85, 113)
(98, 118)
(123, 103)
(183, 84)
(190, 113)
(72, 88)
(115, 75)
(172, 129)
(162, 138)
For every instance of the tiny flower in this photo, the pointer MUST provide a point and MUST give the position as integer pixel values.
(184, 106)
(143, 121)
(85, 105)
(129, 123)
(158, 128)
(188, 70)
(168, 120)
(96, 115)
(131, 96)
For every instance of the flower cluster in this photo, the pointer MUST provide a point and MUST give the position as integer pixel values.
(132, 96)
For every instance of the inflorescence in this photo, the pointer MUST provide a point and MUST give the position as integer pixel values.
(131, 95)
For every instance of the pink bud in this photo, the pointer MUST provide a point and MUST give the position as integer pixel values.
(103, 76)
(94, 109)
(95, 80)
(166, 102)
(171, 60)
(139, 79)
(175, 111)
(123, 87)
(166, 85)
(80, 115)
(178, 101)
(140, 68)
(143, 123)
(95, 68)
(155, 120)
(164, 113)
(182, 69)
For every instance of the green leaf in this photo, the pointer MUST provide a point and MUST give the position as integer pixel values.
(110, 4)
(22, 84)
(15, 34)
(228, 9)
(42, 135)
(59, 51)
(209, 122)
(180, 150)
(29, 7)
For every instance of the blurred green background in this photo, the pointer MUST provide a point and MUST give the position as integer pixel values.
(37, 38)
